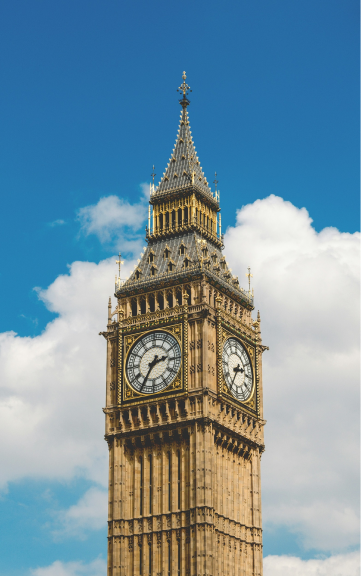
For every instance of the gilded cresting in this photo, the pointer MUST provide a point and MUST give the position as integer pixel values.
(184, 425)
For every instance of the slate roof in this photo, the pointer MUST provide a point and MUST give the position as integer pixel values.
(183, 169)
(201, 254)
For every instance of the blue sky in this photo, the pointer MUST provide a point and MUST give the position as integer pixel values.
(89, 103)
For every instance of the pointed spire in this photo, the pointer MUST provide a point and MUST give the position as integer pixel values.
(184, 169)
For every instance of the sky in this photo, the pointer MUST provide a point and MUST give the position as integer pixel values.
(88, 104)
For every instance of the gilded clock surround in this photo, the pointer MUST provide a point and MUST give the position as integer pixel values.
(184, 463)
(127, 338)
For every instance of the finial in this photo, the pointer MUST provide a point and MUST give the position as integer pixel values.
(215, 181)
(152, 189)
(249, 276)
(109, 310)
(119, 262)
(184, 88)
(117, 278)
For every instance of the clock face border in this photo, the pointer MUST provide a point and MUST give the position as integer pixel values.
(252, 403)
(127, 395)
(242, 345)
(150, 339)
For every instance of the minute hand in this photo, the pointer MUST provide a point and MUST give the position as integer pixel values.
(151, 366)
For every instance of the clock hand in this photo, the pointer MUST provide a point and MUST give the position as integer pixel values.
(236, 370)
(151, 366)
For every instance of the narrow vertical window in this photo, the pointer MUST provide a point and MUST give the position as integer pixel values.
(140, 560)
(141, 486)
(179, 558)
(169, 559)
(169, 481)
(150, 560)
(179, 479)
(150, 483)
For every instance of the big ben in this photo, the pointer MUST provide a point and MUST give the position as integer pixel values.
(184, 408)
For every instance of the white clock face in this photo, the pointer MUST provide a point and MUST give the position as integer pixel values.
(237, 369)
(153, 362)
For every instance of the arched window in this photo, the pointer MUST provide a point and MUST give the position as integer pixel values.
(179, 558)
(150, 559)
(160, 222)
(179, 297)
(151, 303)
(160, 301)
(185, 215)
(169, 558)
(170, 299)
(134, 307)
(143, 306)
(169, 481)
(173, 218)
(179, 479)
(180, 217)
(141, 474)
(150, 485)
(167, 220)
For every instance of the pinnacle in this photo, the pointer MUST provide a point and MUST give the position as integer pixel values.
(184, 163)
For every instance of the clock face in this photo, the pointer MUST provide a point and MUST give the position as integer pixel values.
(153, 362)
(237, 369)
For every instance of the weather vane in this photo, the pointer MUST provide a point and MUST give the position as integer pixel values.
(184, 88)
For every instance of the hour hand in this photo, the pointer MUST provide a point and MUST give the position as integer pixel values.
(237, 369)
(151, 366)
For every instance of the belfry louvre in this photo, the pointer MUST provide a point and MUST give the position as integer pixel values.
(184, 403)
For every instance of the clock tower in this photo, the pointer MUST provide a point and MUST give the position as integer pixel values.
(184, 411)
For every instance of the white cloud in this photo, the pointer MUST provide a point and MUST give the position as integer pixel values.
(58, 222)
(113, 219)
(341, 565)
(90, 513)
(307, 288)
(95, 568)
(52, 386)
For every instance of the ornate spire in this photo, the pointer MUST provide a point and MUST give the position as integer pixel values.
(183, 169)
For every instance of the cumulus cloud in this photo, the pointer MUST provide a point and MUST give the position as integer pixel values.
(52, 385)
(95, 568)
(113, 219)
(340, 565)
(89, 513)
(307, 288)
